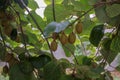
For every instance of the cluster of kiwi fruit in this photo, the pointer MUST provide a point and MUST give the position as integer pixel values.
(64, 39)
(8, 23)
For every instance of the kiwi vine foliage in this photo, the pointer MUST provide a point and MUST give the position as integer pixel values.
(87, 30)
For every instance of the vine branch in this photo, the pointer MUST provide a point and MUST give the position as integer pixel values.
(53, 9)
(37, 26)
(2, 36)
(21, 29)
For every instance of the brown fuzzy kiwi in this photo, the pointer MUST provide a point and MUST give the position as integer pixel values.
(78, 28)
(71, 38)
(53, 45)
(63, 38)
(5, 69)
(55, 35)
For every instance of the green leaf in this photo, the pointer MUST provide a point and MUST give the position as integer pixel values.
(67, 77)
(26, 67)
(16, 74)
(80, 58)
(34, 5)
(19, 50)
(103, 17)
(92, 2)
(24, 37)
(106, 43)
(98, 70)
(96, 34)
(64, 63)
(50, 2)
(68, 51)
(52, 71)
(101, 14)
(115, 45)
(86, 61)
(12, 43)
(87, 27)
(113, 10)
(37, 18)
(81, 5)
(109, 55)
(32, 38)
(40, 61)
(59, 11)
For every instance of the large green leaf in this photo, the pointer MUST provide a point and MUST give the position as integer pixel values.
(16, 74)
(34, 5)
(103, 17)
(84, 73)
(37, 18)
(40, 61)
(92, 2)
(52, 71)
(69, 49)
(31, 37)
(96, 34)
(101, 14)
(59, 11)
(81, 5)
(113, 10)
(109, 55)
(68, 77)
(115, 45)
(50, 1)
(87, 27)
(26, 67)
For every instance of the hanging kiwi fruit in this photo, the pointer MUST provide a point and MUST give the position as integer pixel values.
(55, 35)
(5, 69)
(53, 45)
(78, 27)
(63, 38)
(71, 38)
